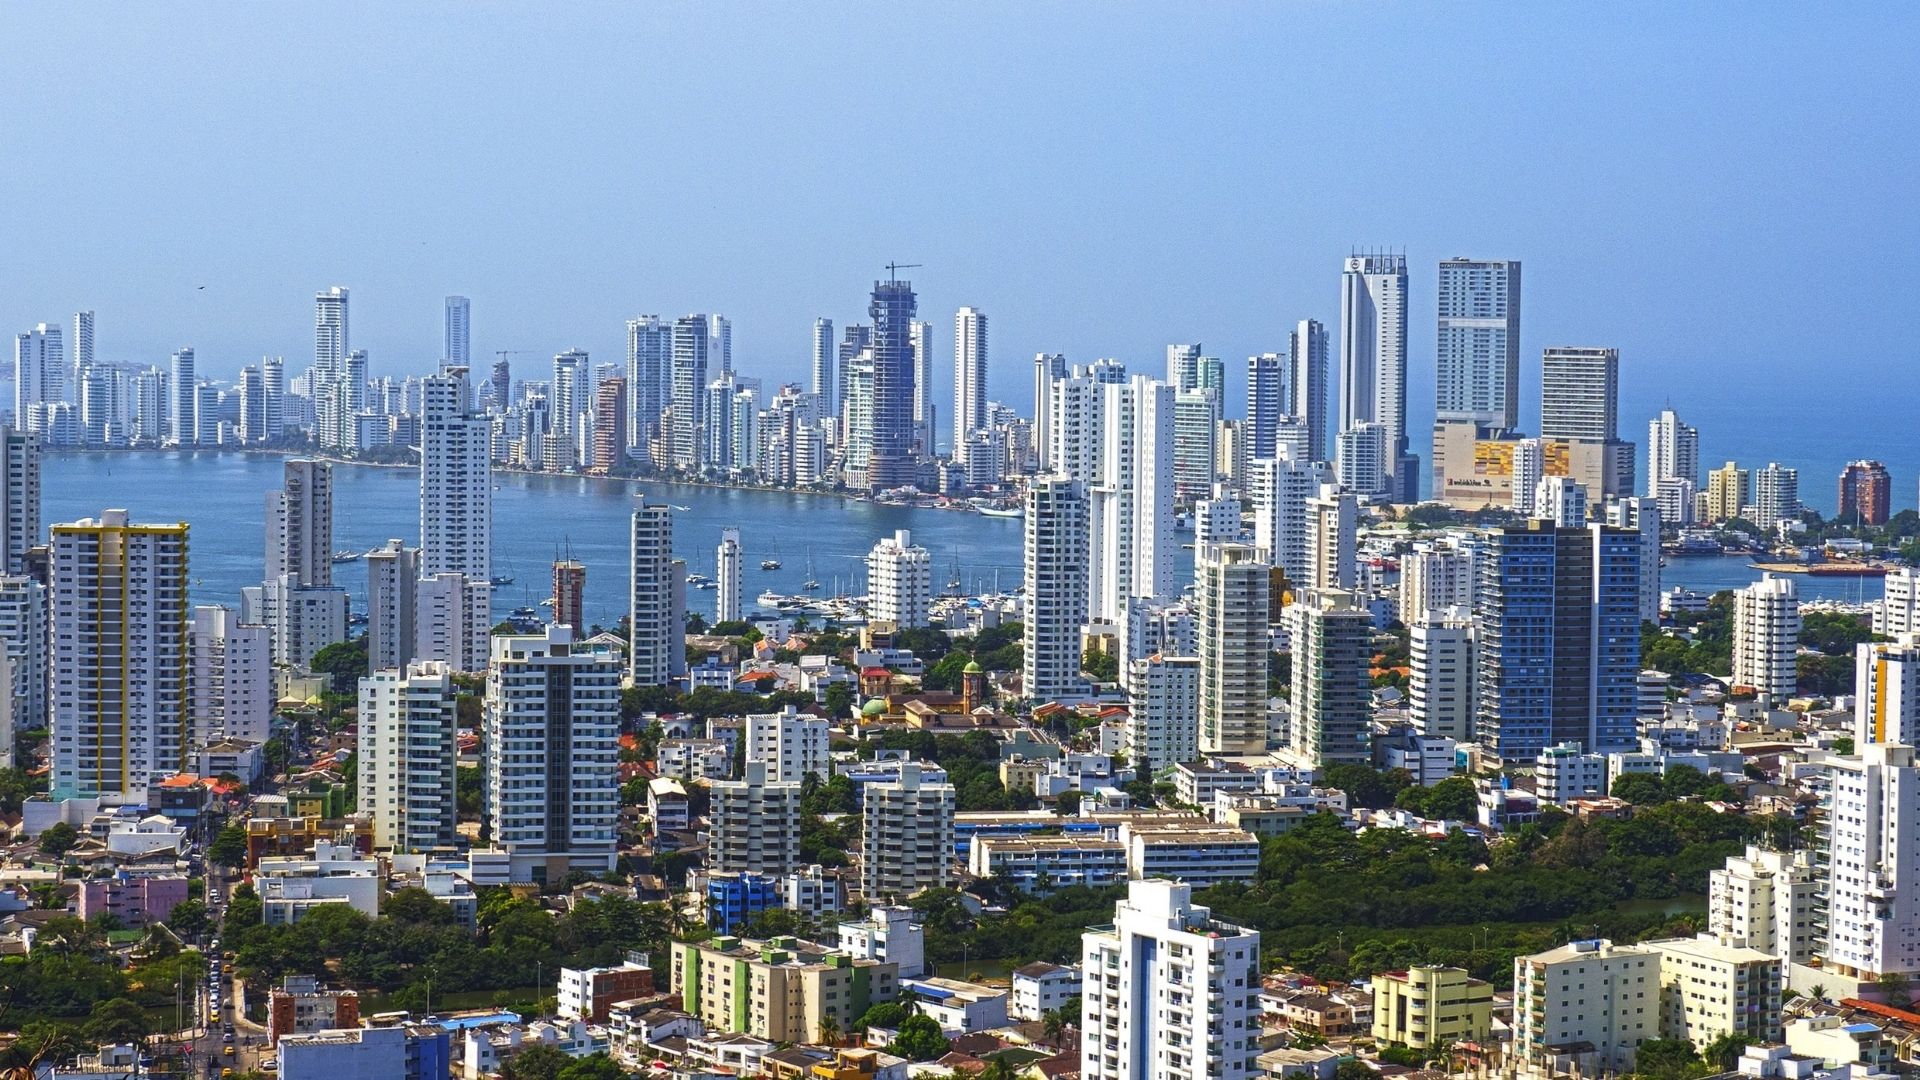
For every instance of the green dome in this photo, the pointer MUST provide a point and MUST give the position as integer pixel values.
(973, 668)
(875, 707)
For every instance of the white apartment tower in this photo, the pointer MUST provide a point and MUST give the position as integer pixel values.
(1169, 991)
(1332, 523)
(1233, 582)
(1436, 575)
(1478, 357)
(756, 824)
(183, 408)
(229, 677)
(824, 387)
(453, 621)
(1897, 613)
(1332, 696)
(1766, 899)
(1364, 461)
(900, 581)
(1886, 691)
(1307, 385)
(969, 377)
(1130, 495)
(23, 634)
(1873, 866)
(656, 636)
(907, 842)
(1373, 352)
(1580, 394)
(300, 523)
(456, 481)
(119, 664)
(1590, 991)
(792, 744)
(1056, 589)
(327, 379)
(1163, 706)
(393, 580)
(726, 577)
(406, 765)
(552, 755)
(458, 352)
(1766, 637)
(1776, 495)
(19, 498)
(1440, 687)
(1561, 500)
(1673, 451)
(1282, 488)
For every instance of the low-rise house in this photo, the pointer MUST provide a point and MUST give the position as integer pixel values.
(1039, 988)
(959, 1007)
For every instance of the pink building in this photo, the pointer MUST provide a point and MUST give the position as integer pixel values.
(136, 900)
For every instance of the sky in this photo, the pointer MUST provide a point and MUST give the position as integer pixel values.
(1708, 188)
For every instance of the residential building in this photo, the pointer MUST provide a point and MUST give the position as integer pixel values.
(23, 636)
(1866, 494)
(687, 403)
(1590, 992)
(1430, 1006)
(552, 719)
(1766, 637)
(459, 327)
(900, 581)
(1042, 865)
(300, 524)
(301, 1006)
(393, 579)
(1898, 612)
(1712, 990)
(300, 619)
(1872, 901)
(1363, 462)
(1282, 526)
(1440, 684)
(456, 480)
(1332, 639)
(570, 595)
(1162, 712)
(907, 842)
(610, 414)
(1040, 988)
(1729, 492)
(1196, 425)
(1776, 496)
(1673, 452)
(1564, 773)
(1233, 584)
(1307, 382)
(1195, 851)
(890, 462)
(1266, 401)
(1580, 394)
(405, 772)
(969, 377)
(793, 744)
(1373, 359)
(755, 823)
(120, 715)
(784, 989)
(656, 650)
(1478, 358)
(293, 887)
(135, 899)
(590, 993)
(229, 677)
(19, 498)
(1131, 486)
(1644, 516)
(452, 621)
(1169, 991)
(1056, 589)
(892, 935)
(1332, 521)
(1767, 899)
(399, 1052)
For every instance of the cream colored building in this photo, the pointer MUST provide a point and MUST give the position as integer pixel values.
(1710, 988)
(1595, 993)
(781, 989)
(1431, 1005)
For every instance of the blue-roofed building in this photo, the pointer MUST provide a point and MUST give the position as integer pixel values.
(734, 899)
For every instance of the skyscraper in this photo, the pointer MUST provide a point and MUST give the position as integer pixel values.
(19, 498)
(1332, 524)
(253, 405)
(300, 523)
(1373, 354)
(1307, 382)
(330, 350)
(1557, 653)
(568, 398)
(1580, 394)
(1886, 691)
(656, 636)
(1196, 426)
(1131, 544)
(273, 383)
(1047, 369)
(1776, 495)
(1232, 581)
(1865, 493)
(1169, 991)
(82, 346)
(40, 373)
(890, 459)
(1332, 691)
(900, 581)
(393, 579)
(1266, 401)
(1282, 488)
(229, 677)
(459, 333)
(726, 577)
(690, 342)
(907, 841)
(969, 377)
(921, 334)
(649, 379)
(825, 388)
(456, 481)
(609, 426)
(1478, 358)
(120, 716)
(1729, 492)
(1766, 638)
(183, 422)
(755, 824)
(1872, 868)
(1056, 589)
(1673, 451)
(407, 754)
(552, 713)
(720, 341)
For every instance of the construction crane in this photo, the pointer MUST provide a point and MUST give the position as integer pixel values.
(894, 268)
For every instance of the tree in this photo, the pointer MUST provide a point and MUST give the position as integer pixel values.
(1667, 1059)
(919, 1039)
(1067, 803)
(1723, 1053)
(839, 701)
(58, 838)
(1367, 787)
(593, 1067)
(1640, 789)
(887, 1014)
(189, 919)
(537, 1062)
(343, 662)
(118, 1021)
(229, 849)
(1354, 1070)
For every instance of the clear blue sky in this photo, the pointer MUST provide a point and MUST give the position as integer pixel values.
(1724, 192)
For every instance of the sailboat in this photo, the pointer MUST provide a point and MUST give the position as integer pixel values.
(953, 586)
(810, 585)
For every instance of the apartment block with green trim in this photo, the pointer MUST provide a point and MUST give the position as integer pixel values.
(782, 989)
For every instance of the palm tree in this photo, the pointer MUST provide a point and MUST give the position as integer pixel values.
(1819, 992)
(829, 1031)
(1054, 1024)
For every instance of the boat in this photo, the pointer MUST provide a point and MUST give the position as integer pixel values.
(810, 585)
(1002, 511)
(502, 580)
(346, 556)
(769, 564)
(698, 579)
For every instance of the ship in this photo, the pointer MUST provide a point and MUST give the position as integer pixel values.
(769, 564)
(1002, 511)
(346, 556)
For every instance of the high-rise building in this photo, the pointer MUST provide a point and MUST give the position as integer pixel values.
(23, 635)
(393, 579)
(300, 523)
(920, 334)
(1282, 487)
(405, 774)
(1373, 357)
(726, 577)
(1898, 612)
(1776, 495)
(824, 386)
(609, 426)
(1266, 401)
(656, 637)
(1307, 382)
(1048, 368)
(300, 619)
(459, 350)
(1056, 589)
(229, 677)
(568, 399)
(1729, 492)
(1673, 451)
(273, 383)
(1866, 493)
(1612, 1018)
(890, 457)
(1557, 642)
(552, 713)
(1169, 991)
(1561, 500)
(82, 346)
(1886, 691)
(1130, 496)
(19, 498)
(1163, 706)
(1196, 426)
(1364, 461)
(1440, 685)
(690, 342)
(183, 415)
(650, 379)
(1332, 694)
(329, 378)
(1766, 899)
(1233, 584)
(792, 744)
(1436, 574)
(900, 581)
(969, 377)
(40, 374)
(452, 621)
(569, 596)
(907, 842)
(1332, 523)
(1580, 394)
(253, 406)
(119, 657)
(1478, 357)
(1872, 879)
(1643, 516)
(1766, 637)
(755, 824)
(456, 481)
